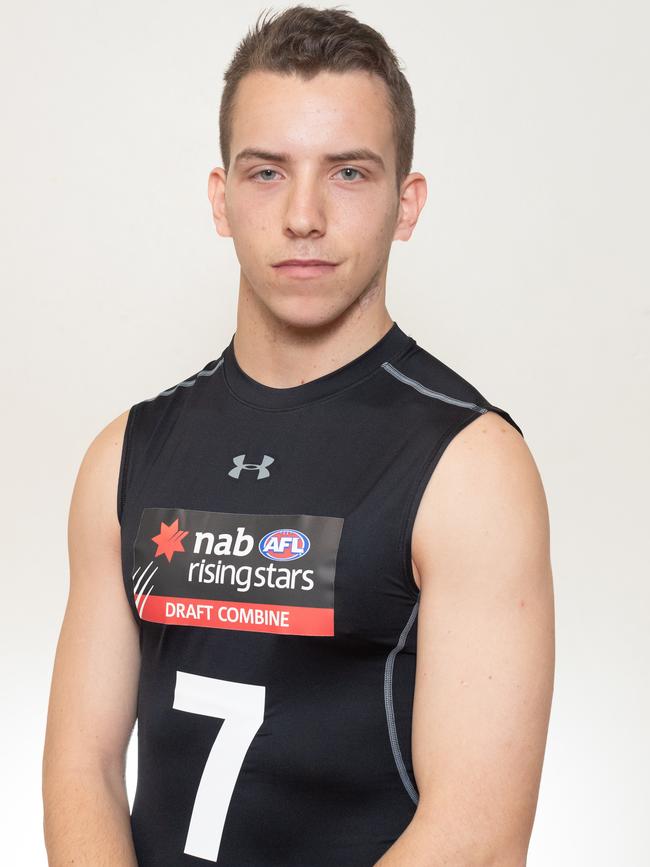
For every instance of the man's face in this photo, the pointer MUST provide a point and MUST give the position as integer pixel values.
(294, 201)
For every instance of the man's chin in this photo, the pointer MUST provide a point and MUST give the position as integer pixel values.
(307, 314)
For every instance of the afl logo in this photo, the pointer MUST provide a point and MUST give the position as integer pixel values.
(284, 545)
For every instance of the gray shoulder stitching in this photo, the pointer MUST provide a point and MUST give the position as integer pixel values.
(390, 712)
(186, 383)
(429, 392)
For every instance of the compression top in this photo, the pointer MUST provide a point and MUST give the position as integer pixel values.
(266, 550)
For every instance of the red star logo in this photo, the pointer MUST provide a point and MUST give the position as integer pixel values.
(169, 540)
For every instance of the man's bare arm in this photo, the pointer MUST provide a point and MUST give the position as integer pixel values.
(486, 654)
(93, 695)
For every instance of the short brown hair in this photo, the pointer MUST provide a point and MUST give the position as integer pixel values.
(306, 40)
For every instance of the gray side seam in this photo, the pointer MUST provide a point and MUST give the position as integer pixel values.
(390, 712)
(186, 382)
(390, 661)
(429, 392)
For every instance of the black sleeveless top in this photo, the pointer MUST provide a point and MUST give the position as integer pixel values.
(266, 548)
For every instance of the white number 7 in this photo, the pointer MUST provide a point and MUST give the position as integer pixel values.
(241, 706)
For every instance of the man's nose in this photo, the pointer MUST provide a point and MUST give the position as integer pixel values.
(305, 207)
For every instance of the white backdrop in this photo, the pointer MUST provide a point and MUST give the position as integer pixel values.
(528, 273)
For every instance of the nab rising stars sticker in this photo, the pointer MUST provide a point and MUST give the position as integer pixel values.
(226, 570)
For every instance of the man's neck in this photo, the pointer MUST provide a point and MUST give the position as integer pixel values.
(283, 355)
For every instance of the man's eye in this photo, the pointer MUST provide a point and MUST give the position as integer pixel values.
(350, 169)
(261, 171)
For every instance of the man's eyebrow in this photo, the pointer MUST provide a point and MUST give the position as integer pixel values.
(355, 155)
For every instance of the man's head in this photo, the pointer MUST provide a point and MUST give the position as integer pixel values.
(316, 134)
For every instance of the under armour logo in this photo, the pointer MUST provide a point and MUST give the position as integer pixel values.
(240, 465)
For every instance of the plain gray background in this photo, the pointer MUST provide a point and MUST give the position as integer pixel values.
(528, 273)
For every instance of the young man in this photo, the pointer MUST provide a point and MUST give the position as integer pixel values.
(336, 655)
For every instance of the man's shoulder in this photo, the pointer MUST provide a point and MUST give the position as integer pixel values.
(478, 446)
(486, 470)
(429, 380)
(149, 409)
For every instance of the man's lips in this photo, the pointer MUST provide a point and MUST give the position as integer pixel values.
(304, 262)
(305, 267)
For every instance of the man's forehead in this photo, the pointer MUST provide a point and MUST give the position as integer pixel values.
(276, 116)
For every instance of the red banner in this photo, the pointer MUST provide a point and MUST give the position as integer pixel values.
(247, 616)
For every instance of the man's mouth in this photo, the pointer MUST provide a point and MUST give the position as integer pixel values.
(305, 267)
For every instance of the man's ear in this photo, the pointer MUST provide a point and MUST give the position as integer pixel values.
(413, 195)
(217, 197)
